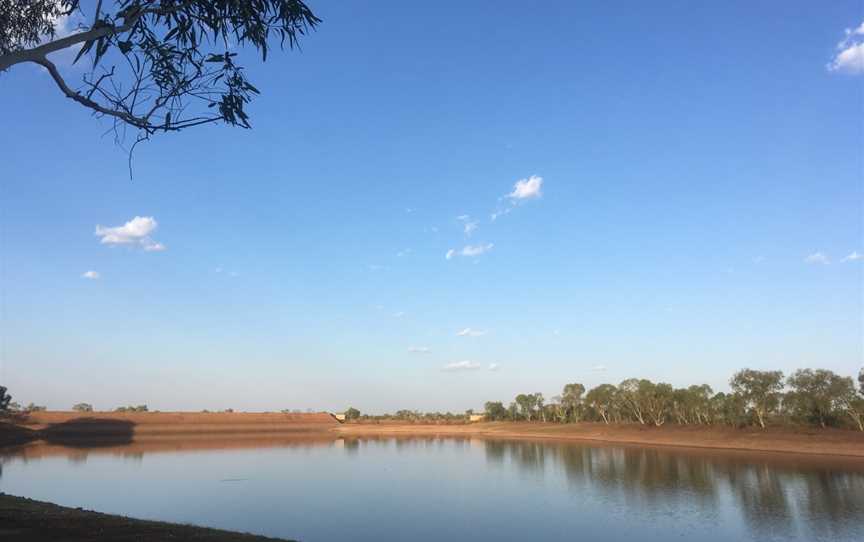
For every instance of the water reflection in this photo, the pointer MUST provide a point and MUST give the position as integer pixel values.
(775, 493)
(652, 493)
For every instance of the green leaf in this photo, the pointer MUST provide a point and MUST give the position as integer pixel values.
(83, 50)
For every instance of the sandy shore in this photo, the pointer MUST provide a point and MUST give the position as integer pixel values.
(34, 521)
(829, 442)
(60, 428)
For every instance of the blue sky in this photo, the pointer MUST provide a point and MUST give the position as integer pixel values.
(701, 173)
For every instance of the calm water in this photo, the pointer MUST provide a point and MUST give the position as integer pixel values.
(452, 489)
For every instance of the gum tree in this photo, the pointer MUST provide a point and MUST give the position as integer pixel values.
(5, 399)
(602, 399)
(571, 401)
(760, 391)
(156, 65)
(816, 394)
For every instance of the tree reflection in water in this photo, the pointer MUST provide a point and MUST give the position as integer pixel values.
(779, 496)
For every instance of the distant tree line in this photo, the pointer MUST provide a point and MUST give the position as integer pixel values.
(139, 408)
(408, 416)
(808, 396)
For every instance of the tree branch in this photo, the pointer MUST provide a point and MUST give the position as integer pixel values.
(85, 101)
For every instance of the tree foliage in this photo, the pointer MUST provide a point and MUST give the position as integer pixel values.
(761, 390)
(132, 408)
(495, 411)
(5, 399)
(816, 395)
(156, 65)
(83, 407)
(352, 414)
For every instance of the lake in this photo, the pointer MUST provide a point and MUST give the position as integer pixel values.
(433, 489)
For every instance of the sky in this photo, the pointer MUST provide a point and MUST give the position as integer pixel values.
(446, 203)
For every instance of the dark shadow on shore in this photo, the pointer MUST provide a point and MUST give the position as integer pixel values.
(12, 434)
(89, 433)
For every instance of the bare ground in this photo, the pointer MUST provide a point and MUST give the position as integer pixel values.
(34, 521)
(64, 428)
(831, 442)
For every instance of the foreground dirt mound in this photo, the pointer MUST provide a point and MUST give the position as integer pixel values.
(34, 521)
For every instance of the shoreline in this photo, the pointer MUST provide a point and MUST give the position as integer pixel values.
(23, 519)
(120, 429)
(836, 443)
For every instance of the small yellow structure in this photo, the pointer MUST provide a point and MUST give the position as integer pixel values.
(476, 418)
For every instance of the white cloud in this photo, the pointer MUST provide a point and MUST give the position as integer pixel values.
(854, 255)
(850, 60)
(494, 366)
(599, 368)
(92, 275)
(758, 259)
(850, 56)
(405, 252)
(461, 366)
(376, 267)
(529, 188)
(469, 251)
(399, 314)
(135, 232)
(817, 258)
(419, 350)
(468, 332)
(523, 189)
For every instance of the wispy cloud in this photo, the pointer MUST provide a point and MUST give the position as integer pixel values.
(853, 257)
(136, 232)
(220, 270)
(153, 246)
(469, 332)
(599, 368)
(469, 251)
(468, 226)
(376, 267)
(92, 275)
(458, 366)
(494, 366)
(817, 258)
(499, 213)
(758, 259)
(419, 350)
(398, 314)
(850, 53)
